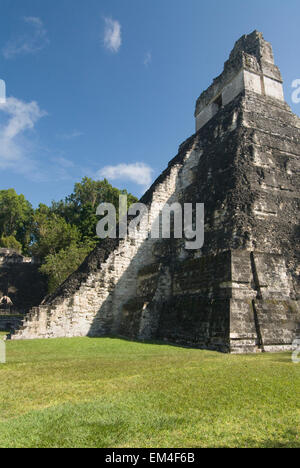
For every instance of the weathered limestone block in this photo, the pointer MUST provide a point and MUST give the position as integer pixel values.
(194, 321)
(243, 332)
(274, 315)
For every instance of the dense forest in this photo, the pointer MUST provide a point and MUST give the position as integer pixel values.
(60, 235)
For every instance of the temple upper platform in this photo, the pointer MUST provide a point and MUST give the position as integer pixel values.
(250, 68)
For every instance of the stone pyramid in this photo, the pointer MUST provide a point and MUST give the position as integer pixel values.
(240, 291)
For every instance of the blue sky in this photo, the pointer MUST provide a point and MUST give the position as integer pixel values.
(108, 87)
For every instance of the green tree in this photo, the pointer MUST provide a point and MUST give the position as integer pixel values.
(65, 233)
(80, 207)
(16, 216)
(60, 266)
(51, 233)
(10, 242)
(60, 235)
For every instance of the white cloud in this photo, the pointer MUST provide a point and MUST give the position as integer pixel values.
(71, 135)
(147, 59)
(139, 173)
(30, 42)
(16, 118)
(63, 162)
(112, 35)
(35, 21)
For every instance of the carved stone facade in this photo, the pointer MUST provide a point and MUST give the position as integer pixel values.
(240, 292)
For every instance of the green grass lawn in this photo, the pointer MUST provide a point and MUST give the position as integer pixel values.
(85, 392)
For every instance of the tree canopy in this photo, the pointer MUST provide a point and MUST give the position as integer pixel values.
(16, 215)
(62, 234)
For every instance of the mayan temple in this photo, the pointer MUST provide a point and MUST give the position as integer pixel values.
(240, 292)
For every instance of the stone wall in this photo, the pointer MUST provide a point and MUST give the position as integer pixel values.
(10, 319)
(238, 293)
(91, 301)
